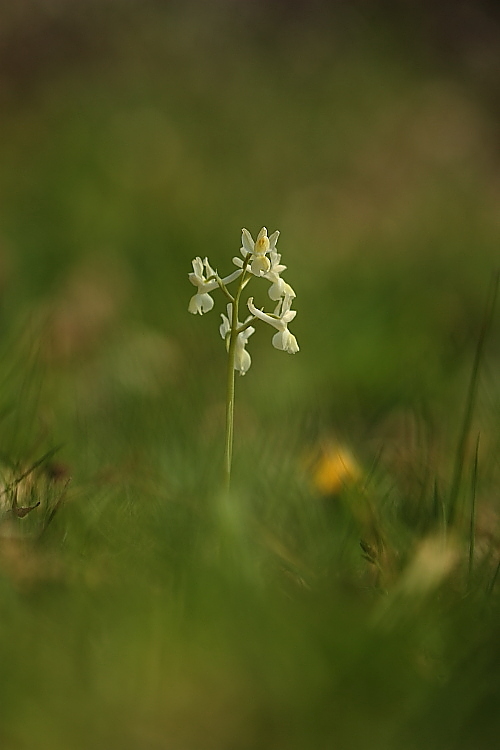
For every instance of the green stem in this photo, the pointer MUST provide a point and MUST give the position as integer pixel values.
(233, 337)
(246, 325)
(228, 453)
(224, 288)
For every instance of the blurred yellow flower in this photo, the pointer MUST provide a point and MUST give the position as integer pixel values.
(334, 468)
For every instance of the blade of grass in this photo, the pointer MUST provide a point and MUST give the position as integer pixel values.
(55, 508)
(491, 584)
(471, 400)
(472, 527)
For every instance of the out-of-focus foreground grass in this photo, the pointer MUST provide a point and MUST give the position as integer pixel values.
(137, 608)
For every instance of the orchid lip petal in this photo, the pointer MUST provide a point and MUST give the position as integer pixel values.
(200, 303)
(275, 291)
(285, 341)
(260, 265)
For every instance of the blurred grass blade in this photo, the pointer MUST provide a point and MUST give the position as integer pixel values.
(472, 528)
(493, 581)
(471, 400)
(55, 508)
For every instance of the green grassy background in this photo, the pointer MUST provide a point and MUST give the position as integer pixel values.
(138, 609)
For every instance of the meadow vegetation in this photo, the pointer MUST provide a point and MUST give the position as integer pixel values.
(345, 593)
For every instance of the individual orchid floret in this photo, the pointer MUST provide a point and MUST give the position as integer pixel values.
(279, 288)
(202, 302)
(258, 250)
(242, 359)
(283, 315)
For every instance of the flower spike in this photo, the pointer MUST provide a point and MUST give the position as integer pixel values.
(261, 260)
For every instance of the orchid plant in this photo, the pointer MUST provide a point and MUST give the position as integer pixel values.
(259, 259)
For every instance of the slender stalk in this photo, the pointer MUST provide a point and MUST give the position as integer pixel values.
(228, 452)
(233, 337)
